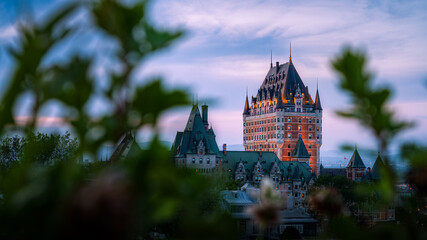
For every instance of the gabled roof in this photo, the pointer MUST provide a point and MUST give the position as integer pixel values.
(283, 79)
(289, 169)
(194, 133)
(300, 151)
(356, 161)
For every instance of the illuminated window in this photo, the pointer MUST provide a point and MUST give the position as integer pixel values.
(289, 135)
(289, 119)
(201, 160)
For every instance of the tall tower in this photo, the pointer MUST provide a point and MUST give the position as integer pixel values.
(282, 112)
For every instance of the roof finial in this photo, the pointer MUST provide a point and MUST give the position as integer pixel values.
(271, 58)
(317, 83)
(290, 51)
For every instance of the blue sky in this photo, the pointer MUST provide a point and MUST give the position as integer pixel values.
(227, 46)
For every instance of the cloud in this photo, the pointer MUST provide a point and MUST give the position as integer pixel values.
(43, 121)
(8, 33)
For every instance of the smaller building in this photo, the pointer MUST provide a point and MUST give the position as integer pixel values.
(238, 201)
(355, 168)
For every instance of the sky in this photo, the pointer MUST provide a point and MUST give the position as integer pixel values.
(226, 49)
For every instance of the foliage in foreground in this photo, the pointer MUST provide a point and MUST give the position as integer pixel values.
(144, 196)
(370, 110)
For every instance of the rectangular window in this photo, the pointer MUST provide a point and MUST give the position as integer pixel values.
(309, 120)
(309, 136)
(289, 135)
(299, 120)
(317, 120)
(289, 119)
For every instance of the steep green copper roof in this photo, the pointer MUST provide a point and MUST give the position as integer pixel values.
(289, 169)
(376, 169)
(300, 151)
(356, 161)
(194, 132)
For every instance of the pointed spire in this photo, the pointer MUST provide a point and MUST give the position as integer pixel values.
(317, 104)
(271, 58)
(246, 110)
(290, 52)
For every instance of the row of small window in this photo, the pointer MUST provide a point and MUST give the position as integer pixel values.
(309, 146)
(208, 161)
(273, 120)
(261, 146)
(261, 137)
(262, 129)
(271, 136)
(272, 128)
(261, 122)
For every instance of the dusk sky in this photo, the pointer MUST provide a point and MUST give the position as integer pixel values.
(227, 47)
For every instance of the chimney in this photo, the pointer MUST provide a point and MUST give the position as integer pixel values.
(224, 148)
(205, 116)
(277, 67)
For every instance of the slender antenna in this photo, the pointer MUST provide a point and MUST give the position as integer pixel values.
(290, 51)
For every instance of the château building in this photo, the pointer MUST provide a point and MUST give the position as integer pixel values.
(196, 148)
(283, 118)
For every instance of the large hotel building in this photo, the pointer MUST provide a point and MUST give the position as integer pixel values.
(283, 118)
